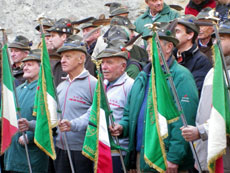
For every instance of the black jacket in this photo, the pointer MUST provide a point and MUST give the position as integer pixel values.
(197, 63)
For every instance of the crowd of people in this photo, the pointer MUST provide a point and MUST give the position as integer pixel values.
(125, 51)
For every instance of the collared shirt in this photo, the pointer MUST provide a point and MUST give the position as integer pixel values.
(153, 17)
(75, 76)
(202, 45)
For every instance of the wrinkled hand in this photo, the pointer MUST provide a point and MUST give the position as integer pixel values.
(21, 140)
(23, 125)
(172, 168)
(116, 130)
(64, 125)
(190, 133)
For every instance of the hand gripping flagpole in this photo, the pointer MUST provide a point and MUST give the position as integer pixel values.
(175, 95)
(111, 115)
(17, 104)
(59, 108)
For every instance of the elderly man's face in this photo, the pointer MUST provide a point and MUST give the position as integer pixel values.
(71, 60)
(113, 68)
(205, 31)
(31, 70)
(18, 55)
(155, 5)
(92, 37)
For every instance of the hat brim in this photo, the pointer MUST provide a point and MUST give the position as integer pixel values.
(31, 58)
(175, 41)
(190, 25)
(224, 31)
(116, 14)
(18, 46)
(70, 48)
(121, 54)
(88, 26)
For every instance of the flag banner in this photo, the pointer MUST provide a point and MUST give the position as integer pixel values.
(219, 122)
(8, 103)
(160, 109)
(97, 144)
(45, 106)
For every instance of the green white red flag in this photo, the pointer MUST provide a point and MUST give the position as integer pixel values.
(8, 105)
(97, 145)
(160, 110)
(219, 122)
(45, 106)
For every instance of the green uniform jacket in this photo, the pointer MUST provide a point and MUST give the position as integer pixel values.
(178, 150)
(166, 15)
(15, 157)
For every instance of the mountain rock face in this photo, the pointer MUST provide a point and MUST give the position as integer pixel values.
(19, 16)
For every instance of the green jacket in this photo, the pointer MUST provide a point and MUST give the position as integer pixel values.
(15, 157)
(166, 15)
(178, 150)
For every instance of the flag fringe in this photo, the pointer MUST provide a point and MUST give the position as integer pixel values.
(153, 165)
(98, 121)
(213, 160)
(53, 156)
(47, 110)
(157, 118)
(86, 155)
(54, 125)
(154, 96)
(173, 120)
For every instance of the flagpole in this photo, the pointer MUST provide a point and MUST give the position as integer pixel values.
(59, 109)
(214, 24)
(111, 120)
(17, 104)
(222, 56)
(175, 95)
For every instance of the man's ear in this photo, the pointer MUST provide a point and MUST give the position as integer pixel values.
(82, 58)
(64, 37)
(190, 35)
(170, 47)
(124, 65)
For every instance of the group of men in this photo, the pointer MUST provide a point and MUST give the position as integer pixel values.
(126, 67)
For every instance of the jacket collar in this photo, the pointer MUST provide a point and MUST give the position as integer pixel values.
(81, 76)
(186, 55)
(30, 85)
(165, 10)
(121, 80)
(208, 45)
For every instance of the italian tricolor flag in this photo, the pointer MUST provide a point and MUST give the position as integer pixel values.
(8, 105)
(97, 140)
(219, 123)
(45, 106)
(160, 110)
